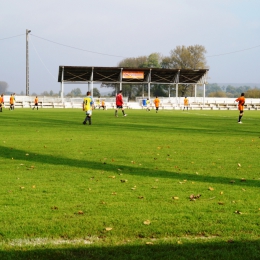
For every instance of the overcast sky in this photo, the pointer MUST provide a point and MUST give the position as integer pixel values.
(229, 30)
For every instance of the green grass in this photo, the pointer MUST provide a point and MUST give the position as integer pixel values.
(63, 184)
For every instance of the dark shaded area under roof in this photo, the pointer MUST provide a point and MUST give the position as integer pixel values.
(80, 74)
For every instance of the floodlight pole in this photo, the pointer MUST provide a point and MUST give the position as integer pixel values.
(27, 61)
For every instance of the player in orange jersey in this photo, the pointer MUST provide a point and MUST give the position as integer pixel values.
(36, 100)
(241, 102)
(156, 103)
(1, 102)
(11, 102)
(186, 103)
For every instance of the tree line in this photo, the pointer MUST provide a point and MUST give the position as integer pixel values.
(182, 57)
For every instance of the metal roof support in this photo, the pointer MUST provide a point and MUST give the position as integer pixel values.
(61, 85)
(121, 72)
(91, 79)
(204, 87)
(149, 83)
(195, 92)
(177, 85)
(27, 62)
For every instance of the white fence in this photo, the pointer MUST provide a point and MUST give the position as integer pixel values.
(166, 102)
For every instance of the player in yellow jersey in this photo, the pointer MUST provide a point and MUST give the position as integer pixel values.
(87, 106)
(148, 104)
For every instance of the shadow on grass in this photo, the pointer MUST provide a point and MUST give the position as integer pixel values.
(238, 250)
(48, 159)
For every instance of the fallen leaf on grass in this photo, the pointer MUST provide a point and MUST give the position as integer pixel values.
(243, 179)
(124, 180)
(141, 197)
(179, 242)
(21, 188)
(221, 193)
(149, 243)
(232, 181)
(221, 203)
(27, 154)
(54, 208)
(147, 222)
(239, 165)
(210, 188)
(238, 212)
(33, 186)
(175, 198)
(108, 228)
(193, 197)
(80, 212)
(112, 177)
(113, 193)
(243, 190)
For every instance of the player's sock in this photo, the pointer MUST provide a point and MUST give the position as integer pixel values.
(239, 118)
(123, 112)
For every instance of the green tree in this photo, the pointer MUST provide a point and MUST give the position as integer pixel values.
(213, 88)
(96, 92)
(76, 92)
(3, 87)
(133, 62)
(159, 90)
(253, 93)
(217, 94)
(182, 57)
(154, 60)
(45, 93)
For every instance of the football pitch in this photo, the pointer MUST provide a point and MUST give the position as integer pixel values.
(172, 185)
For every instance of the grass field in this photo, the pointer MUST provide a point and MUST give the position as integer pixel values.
(172, 185)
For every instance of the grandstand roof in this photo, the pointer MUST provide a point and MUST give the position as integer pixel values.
(80, 74)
